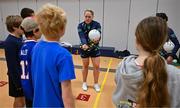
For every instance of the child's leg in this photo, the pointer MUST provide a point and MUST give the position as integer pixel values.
(19, 102)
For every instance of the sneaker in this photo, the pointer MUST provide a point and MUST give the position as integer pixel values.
(84, 86)
(96, 87)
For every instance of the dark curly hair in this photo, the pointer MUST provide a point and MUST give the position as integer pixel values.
(162, 15)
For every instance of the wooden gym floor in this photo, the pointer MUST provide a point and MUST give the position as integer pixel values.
(102, 99)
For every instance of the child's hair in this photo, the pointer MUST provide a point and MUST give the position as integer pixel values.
(162, 15)
(51, 19)
(13, 21)
(151, 34)
(88, 10)
(26, 12)
(29, 26)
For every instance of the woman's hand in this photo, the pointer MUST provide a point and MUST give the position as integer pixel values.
(96, 40)
(169, 59)
(85, 47)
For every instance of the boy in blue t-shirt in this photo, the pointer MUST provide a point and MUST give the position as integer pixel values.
(32, 33)
(13, 44)
(52, 65)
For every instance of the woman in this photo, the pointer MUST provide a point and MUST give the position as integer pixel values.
(88, 50)
(147, 80)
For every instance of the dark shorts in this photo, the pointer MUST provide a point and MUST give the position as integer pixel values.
(92, 53)
(28, 103)
(13, 90)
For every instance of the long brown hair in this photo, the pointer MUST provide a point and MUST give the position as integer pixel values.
(151, 34)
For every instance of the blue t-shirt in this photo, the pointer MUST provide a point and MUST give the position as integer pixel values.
(51, 65)
(26, 78)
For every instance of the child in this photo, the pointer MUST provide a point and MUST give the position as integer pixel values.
(26, 12)
(32, 33)
(147, 79)
(13, 44)
(52, 65)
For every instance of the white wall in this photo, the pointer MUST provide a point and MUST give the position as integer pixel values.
(72, 10)
(118, 22)
(27, 4)
(171, 8)
(2, 36)
(39, 3)
(139, 10)
(8, 7)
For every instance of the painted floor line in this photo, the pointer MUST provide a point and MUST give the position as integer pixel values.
(102, 85)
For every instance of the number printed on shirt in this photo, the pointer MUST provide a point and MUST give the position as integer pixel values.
(24, 69)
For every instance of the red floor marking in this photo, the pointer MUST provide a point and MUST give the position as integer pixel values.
(2, 83)
(83, 97)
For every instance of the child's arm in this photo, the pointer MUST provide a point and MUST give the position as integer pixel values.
(67, 94)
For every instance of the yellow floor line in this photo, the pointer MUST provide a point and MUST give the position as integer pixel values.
(102, 85)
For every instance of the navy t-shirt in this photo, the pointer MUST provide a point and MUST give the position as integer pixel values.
(12, 48)
(83, 30)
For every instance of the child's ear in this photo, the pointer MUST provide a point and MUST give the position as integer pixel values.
(33, 30)
(14, 28)
(137, 41)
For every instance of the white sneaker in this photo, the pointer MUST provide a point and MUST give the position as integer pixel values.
(84, 86)
(96, 87)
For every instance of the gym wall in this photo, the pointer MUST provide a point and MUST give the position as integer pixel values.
(118, 18)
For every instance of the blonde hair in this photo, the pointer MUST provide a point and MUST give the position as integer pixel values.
(151, 34)
(13, 21)
(52, 20)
